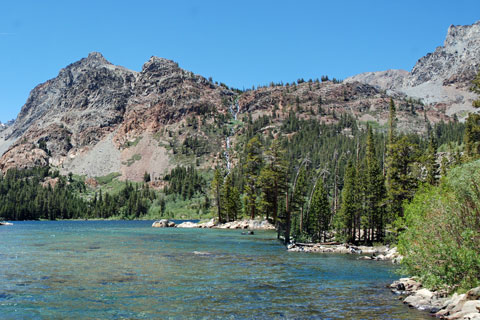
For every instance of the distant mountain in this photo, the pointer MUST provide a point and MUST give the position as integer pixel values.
(96, 118)
(441, 78)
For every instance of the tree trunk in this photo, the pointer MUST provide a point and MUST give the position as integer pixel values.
(287, 221)
(275, 204)
(219, 210)
(301, 219)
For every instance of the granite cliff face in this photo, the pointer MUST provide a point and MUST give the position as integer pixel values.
(456, 62)
(442, 77)
(96, 118)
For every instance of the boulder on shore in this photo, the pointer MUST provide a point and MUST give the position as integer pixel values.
(247, 224)
(164, 223)
(210, 224)
(188, 225)
(381, 253)
(238, 224)
(458, 306)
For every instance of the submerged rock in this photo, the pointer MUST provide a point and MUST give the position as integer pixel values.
(202, 253)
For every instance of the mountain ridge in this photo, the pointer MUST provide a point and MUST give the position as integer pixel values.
(96, 118)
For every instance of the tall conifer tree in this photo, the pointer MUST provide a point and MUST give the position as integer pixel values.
(431, 164)
(374, 191)
(251, 169)
(216, 184)
(320, 214)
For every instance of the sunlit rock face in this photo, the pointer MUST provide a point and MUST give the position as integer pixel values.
(441, 77)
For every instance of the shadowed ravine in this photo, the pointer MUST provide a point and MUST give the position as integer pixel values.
(111, 270)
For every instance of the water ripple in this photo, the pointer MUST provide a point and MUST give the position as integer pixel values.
(116, 270)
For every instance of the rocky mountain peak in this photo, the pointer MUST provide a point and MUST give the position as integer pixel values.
(96, 57)
(94, 60)
(455, 62)
(443, 76)
(86, 95)
(159, 66)
(457, 34)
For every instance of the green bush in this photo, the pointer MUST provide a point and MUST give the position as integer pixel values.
(441, 243)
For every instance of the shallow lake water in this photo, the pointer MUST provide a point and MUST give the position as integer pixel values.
(128, 270)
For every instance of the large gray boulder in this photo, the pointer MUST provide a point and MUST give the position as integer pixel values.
(164, 223)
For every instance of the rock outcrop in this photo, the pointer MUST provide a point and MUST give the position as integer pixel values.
(442, 77)
(5, 126)
(239, 224)
(187, 225)
(458, 306)
(379, 253)
(247, 224)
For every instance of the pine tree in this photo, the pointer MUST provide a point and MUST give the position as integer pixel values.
(431, 164)
(286, 220)
(361, 220)
(298, 201)
(231, 199)
(392, 123)
(251, 170)
(235, 203)
(444, 166)
(346, 217)
(472, 137)
(273, 180)
(401, 180)
(476, 88)
(374, 191)
(216, 185)
(320, 214)
(390, 159)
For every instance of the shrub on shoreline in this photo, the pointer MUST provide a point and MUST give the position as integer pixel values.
(441, 243)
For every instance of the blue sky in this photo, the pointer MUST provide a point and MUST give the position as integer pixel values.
(240, 43)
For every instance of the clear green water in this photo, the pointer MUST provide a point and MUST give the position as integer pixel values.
(128, 270)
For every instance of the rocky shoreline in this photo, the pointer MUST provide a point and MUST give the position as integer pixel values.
(379, 253)
(458, 306)
(212, 224)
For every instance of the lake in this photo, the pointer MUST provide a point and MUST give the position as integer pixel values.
(126, 269)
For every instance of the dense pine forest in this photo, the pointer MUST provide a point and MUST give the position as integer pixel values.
(346, 181)
(41, 193)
